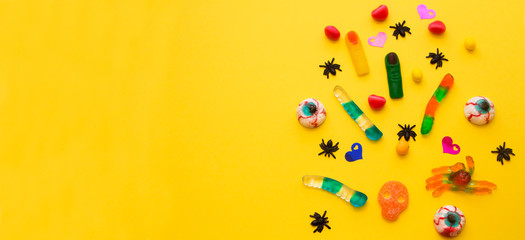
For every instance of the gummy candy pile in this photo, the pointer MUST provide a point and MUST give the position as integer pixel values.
(393, 196)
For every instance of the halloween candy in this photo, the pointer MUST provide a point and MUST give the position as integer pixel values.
(393, 198)
(357, 53)
(393, 73)
(311, 113)
(356, 198)
(371, 131)
(457, 178)
(439, 94)
(449, 221)
(479, 110)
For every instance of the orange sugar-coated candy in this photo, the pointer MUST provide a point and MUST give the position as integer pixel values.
(393, 198)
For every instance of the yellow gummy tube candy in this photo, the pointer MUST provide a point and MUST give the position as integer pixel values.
(357, 53)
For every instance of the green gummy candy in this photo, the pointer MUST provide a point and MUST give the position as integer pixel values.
(426, 126)
(352, 109)
(373, 133)
(331, 185)
(393, 73)
(358, 199)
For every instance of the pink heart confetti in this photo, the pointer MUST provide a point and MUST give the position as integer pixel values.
(448, 146)
(377, 41)
(425, 13)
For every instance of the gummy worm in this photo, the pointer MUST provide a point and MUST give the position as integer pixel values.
(439, 94)
(371, 131)
(356, 198)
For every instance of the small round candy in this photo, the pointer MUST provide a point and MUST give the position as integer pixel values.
(417, 75)
(311, 113)
(402, 147)
(332, 33)
(479, 110)
(470, 44)
(449, 221)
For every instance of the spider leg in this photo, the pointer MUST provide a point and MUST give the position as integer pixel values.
(403, 23)
(444, 59)
(431, 185)
(448, 169)
(321, 153)
(332, 62)
(481, 184)
(326, 73)
(441, 189)
(333, 155)
(470, 165)
(393, 27)
(327, 225)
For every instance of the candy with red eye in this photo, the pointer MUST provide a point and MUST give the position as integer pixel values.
(449, 221)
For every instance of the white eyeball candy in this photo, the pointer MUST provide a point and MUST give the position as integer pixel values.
(479, 110)
(449, 221)
(311, 113)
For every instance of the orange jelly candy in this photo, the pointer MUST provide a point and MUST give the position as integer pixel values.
(393, 198)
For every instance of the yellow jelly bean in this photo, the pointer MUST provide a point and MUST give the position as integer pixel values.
(417, 75)
(470, 44)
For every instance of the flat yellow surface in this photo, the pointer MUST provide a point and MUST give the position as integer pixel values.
(176, 119)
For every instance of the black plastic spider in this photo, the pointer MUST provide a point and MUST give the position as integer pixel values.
(437, 58)
(319, 222)
(406, 132)
(400, 29)
(330, 67)
(328, 149)
(503, 153)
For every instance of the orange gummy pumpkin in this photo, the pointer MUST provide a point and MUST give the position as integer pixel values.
(393, 198)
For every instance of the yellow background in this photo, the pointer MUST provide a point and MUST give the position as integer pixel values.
(176, 119)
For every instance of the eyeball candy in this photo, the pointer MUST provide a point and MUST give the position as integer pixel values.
(470, 44)
(380, 13)
(393, 198)
(417, 75)
(449, 221)
(479, 110)
(311, 113)
(332, 33)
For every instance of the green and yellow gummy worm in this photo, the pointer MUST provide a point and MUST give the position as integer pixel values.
(371, 131)
(356, 198)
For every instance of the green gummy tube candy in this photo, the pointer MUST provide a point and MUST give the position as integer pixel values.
(428, 121)
(393, 73)
(358, 199)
